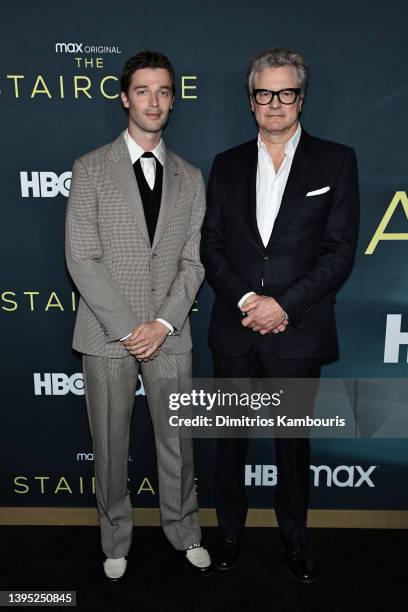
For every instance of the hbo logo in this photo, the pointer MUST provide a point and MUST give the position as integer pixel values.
(58, 384)
(44, 184)
(61, 384)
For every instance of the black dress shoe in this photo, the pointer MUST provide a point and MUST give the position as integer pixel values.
(226, 552)
(300, 561)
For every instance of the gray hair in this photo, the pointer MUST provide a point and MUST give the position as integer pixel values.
(273, 58)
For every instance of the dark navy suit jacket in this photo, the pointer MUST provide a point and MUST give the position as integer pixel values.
(309, 255)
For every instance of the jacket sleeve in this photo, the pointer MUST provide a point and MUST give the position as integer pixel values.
(177, 304)
(221, 275)
(338, 246)
(83, 255)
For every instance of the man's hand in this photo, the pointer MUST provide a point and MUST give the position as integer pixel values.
(264, 315)
(277, 329)
(146, 340)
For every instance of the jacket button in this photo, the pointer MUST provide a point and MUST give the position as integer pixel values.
(265, 257)
(153, 289)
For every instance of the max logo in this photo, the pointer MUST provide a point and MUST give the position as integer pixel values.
(380, 233)
(343, 475)
(70, 47)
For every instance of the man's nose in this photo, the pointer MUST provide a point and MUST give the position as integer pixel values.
(154, 99)
(275, 102)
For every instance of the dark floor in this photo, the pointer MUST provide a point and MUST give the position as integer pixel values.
(364, 570)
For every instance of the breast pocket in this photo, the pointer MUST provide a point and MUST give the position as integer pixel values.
(316, 206)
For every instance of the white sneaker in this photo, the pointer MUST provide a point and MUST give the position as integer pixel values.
(198, 558)
(115, 568)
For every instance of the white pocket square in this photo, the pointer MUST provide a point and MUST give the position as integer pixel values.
(318, 191)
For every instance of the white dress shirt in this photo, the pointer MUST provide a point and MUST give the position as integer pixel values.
(270, 186)
(148, 163)
(149, 170)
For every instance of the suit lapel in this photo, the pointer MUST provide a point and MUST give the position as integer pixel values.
(245, 196)
(124, 177)
(300, 177)
(254, 223)
(170, 193)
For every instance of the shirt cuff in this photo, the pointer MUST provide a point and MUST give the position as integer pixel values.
(124, 337)
(244, 297)
(168, 325)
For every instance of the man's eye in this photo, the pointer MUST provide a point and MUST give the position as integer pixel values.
(164, 92)
(141, 92)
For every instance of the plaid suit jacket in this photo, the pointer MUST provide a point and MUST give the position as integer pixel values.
(123, 280)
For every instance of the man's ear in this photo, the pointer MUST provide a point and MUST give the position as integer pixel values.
(124, 99)
(251, 101)
(172, 102)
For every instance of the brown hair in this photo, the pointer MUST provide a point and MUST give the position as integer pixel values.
(145, 59)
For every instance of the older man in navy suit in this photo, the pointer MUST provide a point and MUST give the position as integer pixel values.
(278, 241)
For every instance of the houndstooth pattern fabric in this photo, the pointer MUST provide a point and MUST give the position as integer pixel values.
(110, 386)
(122, 279)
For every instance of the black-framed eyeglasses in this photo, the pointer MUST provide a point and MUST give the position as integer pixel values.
(285, 96)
